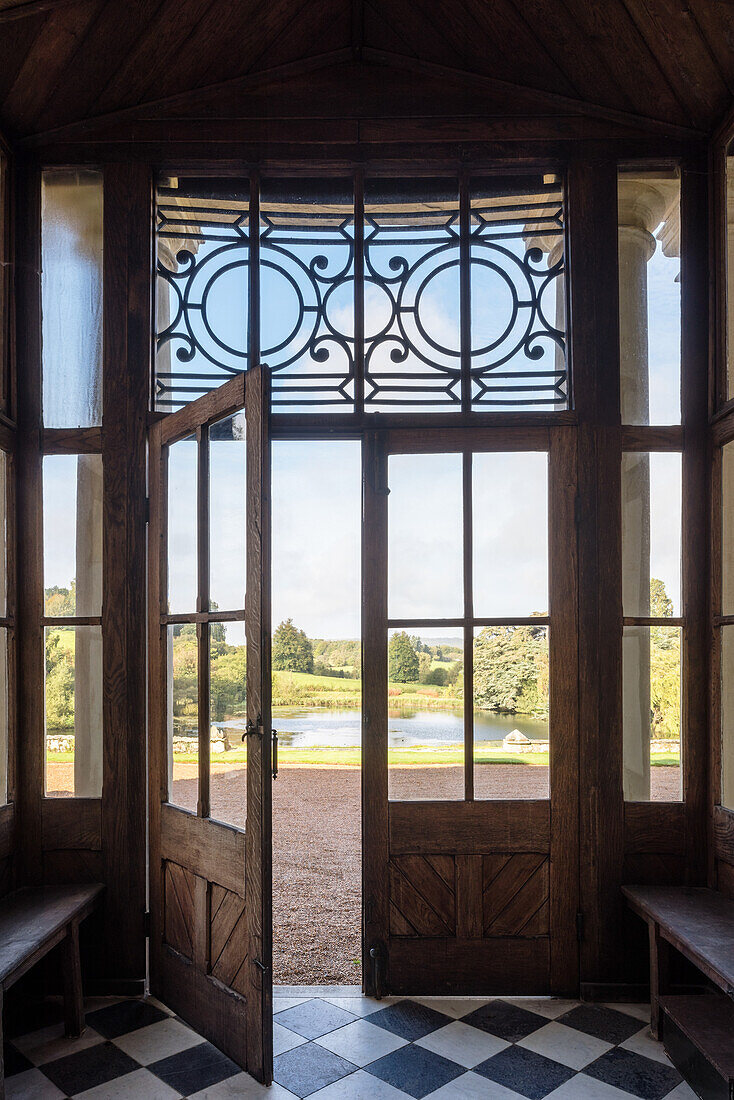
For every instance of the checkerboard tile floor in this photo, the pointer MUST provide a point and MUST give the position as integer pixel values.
(333, 1044)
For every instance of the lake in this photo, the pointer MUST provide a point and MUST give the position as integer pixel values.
(302, 728)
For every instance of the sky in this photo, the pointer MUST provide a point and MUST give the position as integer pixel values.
(317, 507)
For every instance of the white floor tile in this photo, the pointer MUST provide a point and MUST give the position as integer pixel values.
(682, 1092)
(156, 1041)
(31, 1085)
(361, 1006)
(643, 1043)
(361, 1042)
(284, 1039)
(582, 1087)
(242, 1087)
(639, 1011)
(453, 1006)
(359, 1086)
(280, 1004)
(473, 1087)
(50, 1043)
(462, 1043)
(550, 1007)
(565, 1045)
(141, 1084)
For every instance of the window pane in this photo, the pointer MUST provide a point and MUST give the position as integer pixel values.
(307, 293)
(651, 662)
(183, 716)
(425, 536)
(649, 296)
(727, 717)
(511, 730)
(518, 305)
(727, 532)
(510, 521)
(182, 526)
(71, 290)
(227, 514)
(4, 728)
(411, 295)
(425, 730)
(202, 238)
(228, 716)
(73, 704)
(72, 534)
(651, 534)
(729, 260)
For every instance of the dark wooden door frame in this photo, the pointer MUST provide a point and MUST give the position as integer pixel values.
(470, 830)
(189, 853)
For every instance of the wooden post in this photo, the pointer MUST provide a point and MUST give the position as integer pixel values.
(659, 974)
(72, 975)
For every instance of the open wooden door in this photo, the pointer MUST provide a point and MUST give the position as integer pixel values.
(211, 880)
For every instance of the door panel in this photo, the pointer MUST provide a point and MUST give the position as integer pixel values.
(210, 882)
(477, 896)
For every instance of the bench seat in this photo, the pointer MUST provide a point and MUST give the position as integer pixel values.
(32, 923)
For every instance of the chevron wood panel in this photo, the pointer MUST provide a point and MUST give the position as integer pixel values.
(228, 938)
(423, 895)
(179, 908)
(516, 894)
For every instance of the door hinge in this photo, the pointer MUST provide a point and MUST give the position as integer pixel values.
(146, 924)
(579, 926)
(378, 962)
(261, 966)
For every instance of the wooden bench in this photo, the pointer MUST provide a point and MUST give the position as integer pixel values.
(32, 923)
(697, 1030)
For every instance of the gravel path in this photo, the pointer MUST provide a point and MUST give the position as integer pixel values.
(316, 847)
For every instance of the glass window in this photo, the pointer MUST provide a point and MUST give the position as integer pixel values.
(651, 534)
(3, 534)
(511, 712)
(425, 536)
(307, 291)
(73, 707)
(71, 295)
(727, 716)
(727, 532)
(183, 473)
(651, 664)
(518, 301)
(183, 715)
(425, 728)
(649, 296)
(202, 303)
(412, 352)
(510, 534)
(228, 720)
(227, 514)
(4, 716)
(72, 535)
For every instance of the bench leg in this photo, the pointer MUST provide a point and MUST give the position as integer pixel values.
(72, 972)
(659, 967)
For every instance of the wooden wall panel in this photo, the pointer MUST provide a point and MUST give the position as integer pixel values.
(516, 892)
(228, 941)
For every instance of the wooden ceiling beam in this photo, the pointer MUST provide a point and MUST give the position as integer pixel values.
(9, 13)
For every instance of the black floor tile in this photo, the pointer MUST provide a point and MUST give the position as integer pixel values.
(409, 1019)
(307, 1068)
(603, 1023)
(415, 1070)
(14, 1061)
(118, 1019)
(526, 1072)
(25, 1016)
(633, 1073)
(86, 1068)
(195, 1068)
(312, 1019)
(506, 1021)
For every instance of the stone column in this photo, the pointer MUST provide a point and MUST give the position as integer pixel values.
(88, 643)
(641, 209)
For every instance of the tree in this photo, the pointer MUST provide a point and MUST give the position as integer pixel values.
(511, 669)
(403, 660)
(292, 650)
(661, 605)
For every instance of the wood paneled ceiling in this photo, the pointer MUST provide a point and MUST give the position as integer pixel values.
(67, 61)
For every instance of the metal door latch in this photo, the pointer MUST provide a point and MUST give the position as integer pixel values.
(275, 754)
(253, 727)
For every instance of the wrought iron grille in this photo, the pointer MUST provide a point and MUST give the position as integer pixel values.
(394, 295)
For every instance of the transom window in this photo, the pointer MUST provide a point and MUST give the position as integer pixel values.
(365, 295)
